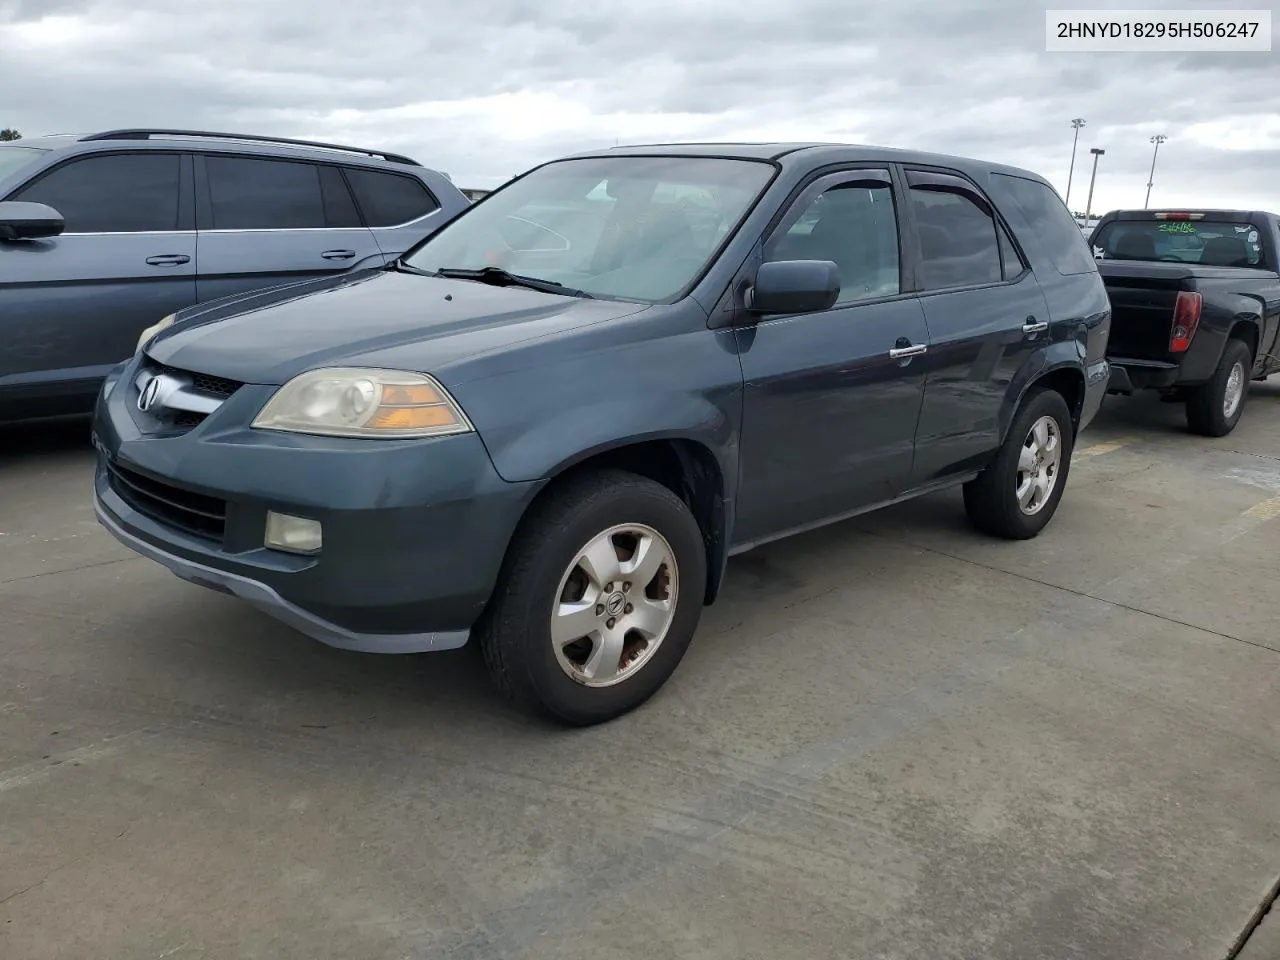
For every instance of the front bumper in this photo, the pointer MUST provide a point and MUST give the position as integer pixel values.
(414, 531)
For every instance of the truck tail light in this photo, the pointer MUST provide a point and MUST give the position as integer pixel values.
(1165, 215)
(1186, 317)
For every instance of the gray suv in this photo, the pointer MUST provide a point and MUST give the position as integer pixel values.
(102, 236)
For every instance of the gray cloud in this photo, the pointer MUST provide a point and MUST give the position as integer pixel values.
(488, 88)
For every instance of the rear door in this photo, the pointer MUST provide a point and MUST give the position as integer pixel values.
(74, 305)
(266, 222)
(986, 316)
(397, 207)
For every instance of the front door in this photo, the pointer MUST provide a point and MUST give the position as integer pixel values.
(831, 399)
(267, 222)
(75, 304)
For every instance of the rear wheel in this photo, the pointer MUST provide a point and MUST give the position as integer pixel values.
(1016, 496)
(599, 598)
(1214, 409)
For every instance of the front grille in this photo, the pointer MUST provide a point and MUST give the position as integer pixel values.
(205, 384)
(219, 387)
(194, 513)
(214, 386)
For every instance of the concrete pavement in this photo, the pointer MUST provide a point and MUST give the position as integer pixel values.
(892, 738)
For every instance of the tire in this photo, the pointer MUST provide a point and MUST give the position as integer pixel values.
(992, 498)
(545, 572)
(1211, 410)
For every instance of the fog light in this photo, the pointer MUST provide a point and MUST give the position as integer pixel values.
(292, 534)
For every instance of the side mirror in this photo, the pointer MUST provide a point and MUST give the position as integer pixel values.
(29, 221)
(794, 286)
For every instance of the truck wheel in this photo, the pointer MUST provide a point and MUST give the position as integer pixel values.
(1214, 409)
(1018, 492)
(598, 599)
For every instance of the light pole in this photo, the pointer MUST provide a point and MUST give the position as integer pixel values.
(1158, 139)
(1076, 124)
(1088, 204)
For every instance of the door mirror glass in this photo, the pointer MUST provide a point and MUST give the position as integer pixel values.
(795, 286)
(29, 221)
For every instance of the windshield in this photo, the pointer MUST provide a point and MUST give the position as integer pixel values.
(13, 159)
(1216, 243)
(629, 228)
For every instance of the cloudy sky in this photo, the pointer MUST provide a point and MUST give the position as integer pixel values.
(487, 88)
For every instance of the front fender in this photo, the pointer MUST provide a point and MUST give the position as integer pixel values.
(548, 447)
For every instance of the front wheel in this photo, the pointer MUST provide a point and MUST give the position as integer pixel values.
(1016, 495)
(1214, 409)
(598, 600)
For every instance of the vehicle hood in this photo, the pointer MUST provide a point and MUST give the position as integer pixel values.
(399, 320)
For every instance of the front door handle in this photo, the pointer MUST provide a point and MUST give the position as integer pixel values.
(168, 260)
(898, 353)
(338, 254)
(1034, 326)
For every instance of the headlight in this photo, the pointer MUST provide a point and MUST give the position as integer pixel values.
(152, 330)
(338, 402)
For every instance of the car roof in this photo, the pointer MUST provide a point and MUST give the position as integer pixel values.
(146, 139)
(812, 154)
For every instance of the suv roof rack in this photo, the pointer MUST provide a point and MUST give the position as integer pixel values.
(147, 134)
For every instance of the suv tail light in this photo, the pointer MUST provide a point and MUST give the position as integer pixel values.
(1186, 317)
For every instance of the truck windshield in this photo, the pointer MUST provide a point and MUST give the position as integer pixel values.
(13, 159)
(627, 227)
(1214, 243)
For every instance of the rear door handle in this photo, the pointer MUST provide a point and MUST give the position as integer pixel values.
(1034, 326)
(168, 260)
(898, 353)
(338, 254)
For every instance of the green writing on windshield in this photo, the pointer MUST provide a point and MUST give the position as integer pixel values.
(1177, 227)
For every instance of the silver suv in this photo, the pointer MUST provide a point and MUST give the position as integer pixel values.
(101, 236)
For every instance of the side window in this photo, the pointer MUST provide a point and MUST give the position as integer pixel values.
(1010, 260)
(389, 199)
(121, 193)
(1056, 230)
(253, 194)
(958, 243)
(339, 207)
(855, 226)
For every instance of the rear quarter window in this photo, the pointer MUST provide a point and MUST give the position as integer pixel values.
(389, 199)
(1054, 229)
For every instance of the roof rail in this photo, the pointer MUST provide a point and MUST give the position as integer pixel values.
(147, 134)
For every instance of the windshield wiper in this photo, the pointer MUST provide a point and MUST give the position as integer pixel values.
(401, 267)
(501, 278)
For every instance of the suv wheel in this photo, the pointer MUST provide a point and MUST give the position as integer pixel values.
(1016, 495)
(598, 600)
(1214, 409)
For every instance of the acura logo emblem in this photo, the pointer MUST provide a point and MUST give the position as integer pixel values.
(147, 398)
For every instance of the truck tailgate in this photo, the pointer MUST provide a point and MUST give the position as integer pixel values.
(1142, 299)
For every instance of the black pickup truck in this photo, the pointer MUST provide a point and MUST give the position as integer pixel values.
(1195, 301)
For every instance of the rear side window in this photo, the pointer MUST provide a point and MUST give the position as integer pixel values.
(1055, 228)
(252, 194)
(121, 193)
(389, 199)
(1011, 261)
(958, 242)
